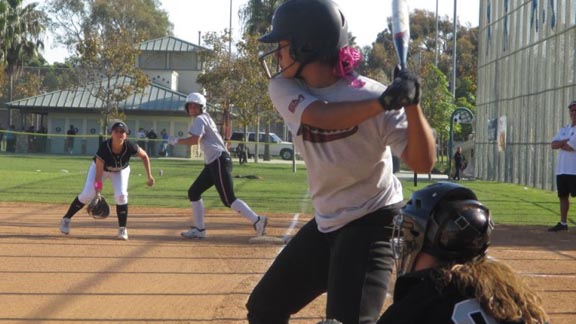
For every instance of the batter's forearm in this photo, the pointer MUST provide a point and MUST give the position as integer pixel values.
(420, 152)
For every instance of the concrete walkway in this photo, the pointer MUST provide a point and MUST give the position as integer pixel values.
(421, 176)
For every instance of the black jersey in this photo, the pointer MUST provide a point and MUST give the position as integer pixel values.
(418, 300)
(116, 162)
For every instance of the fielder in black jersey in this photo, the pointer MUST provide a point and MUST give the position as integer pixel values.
(112, 161)
(444, 275)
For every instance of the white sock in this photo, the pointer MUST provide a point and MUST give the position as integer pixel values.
(198, 211)
(243, 208)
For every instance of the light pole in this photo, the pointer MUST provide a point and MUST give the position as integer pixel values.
(436, 41)
(454, 55)
(230, 31)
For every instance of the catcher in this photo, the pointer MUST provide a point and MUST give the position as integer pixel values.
(110, 162)
(444, 275)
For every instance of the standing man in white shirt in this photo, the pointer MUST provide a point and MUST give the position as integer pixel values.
(565, 143)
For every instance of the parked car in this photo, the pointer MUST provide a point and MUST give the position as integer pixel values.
(278, 147)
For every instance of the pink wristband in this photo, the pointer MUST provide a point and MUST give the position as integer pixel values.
(98, 185)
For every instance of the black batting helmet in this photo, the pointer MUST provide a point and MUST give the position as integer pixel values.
(444, 220)
(316, 29)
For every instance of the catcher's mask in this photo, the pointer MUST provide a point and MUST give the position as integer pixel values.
(98, 207)
(444, 220)
(316, 30)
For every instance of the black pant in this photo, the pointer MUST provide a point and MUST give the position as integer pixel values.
(457, 168)
(11, 145)
(353, 265)
(219, 174)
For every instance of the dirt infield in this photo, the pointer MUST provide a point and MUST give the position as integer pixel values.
(157, 277)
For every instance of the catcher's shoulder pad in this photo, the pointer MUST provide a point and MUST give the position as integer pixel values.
(98, 207)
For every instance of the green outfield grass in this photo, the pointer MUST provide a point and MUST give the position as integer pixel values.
(266, 187)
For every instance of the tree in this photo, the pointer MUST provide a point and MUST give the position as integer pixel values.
(20, 28)
(143, 19)
(381, 58)
(103, 36)
(436, 102)
(105, 63)
(256, 15)
(252, 98)
(60, 76)
(236, 79)
(221, 77)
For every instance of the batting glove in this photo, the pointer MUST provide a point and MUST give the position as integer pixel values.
(172, 140)
(404, 91)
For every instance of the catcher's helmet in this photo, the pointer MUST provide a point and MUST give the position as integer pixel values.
(444, 220)
(196, 98)
(98, 207)
(316, 29)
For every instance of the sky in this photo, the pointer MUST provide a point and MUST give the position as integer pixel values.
(366, 18)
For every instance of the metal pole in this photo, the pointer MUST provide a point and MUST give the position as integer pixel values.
(230, 27)
(293, 157)
(436, 41)
(450, 142)
(454, 55)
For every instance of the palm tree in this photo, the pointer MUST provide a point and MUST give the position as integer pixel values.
(20, 32)
(256, 15)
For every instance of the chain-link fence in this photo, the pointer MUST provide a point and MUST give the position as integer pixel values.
(26, 142)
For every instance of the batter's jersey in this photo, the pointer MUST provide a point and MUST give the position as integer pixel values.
(349, 170)
(116, 162)
(418, 300)
(210, 140)
(566, 161)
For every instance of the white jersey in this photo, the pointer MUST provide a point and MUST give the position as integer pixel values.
(210, 140)
(566, 161)
(349, 170)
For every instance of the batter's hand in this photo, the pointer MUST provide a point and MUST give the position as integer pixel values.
(173, 140)
(404, 91)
